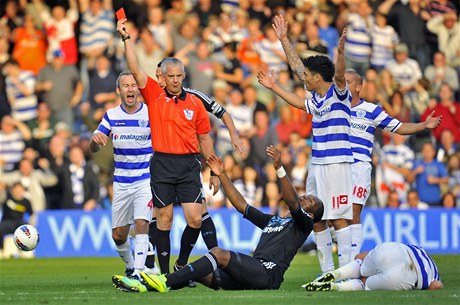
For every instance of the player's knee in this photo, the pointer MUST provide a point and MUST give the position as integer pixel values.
(222, 256)
(194, 222)
(118, 238)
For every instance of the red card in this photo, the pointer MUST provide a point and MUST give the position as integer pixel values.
(121, 14)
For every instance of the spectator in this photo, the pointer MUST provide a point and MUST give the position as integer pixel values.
(447, 28)
(383, 39)
(413, 202)
(247, 53)
(60, 29)
(29, 46)
(250, 100)
(80, 184)
(453, 170)
(4, 57)
(327, 32)
(394, 165)
(358, 44)
(20, 90)
(148, 49)
(393, 200)
(42, 127)
(260, 11)
(404, 71)
(439, 72)
(13, 134)
(96, 32)
(32, 180)
(450, 111)
(448, 201)
(299, 172)
(15, 205)
(161, 30)
(311, 43)
(206, 9)
(101, 79)
(286, 125)
(60, 87)
(11, 20)
(229, 69)
(201, 68)
(409, 20)
(177, 14)
(428, 176)
(226, 31)
(271, 51)
(263, 136)
(446, 147)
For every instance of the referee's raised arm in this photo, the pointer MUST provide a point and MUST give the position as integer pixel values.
(139, 75)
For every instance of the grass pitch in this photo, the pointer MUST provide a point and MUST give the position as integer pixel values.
(72, 281)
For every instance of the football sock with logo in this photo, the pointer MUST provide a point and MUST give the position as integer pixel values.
(194, 271)
(208, 231)
(163, 243)
(124, 250)
(350, 285)
(150, 260)
(324, 247)
(141, 247)
(352, 270)
(343, 246)
(188, 240)
(356, 239)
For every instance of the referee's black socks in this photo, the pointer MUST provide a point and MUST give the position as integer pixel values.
(208, 231)
(188, 240)
(163, 249)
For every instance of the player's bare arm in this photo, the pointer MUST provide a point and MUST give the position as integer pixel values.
(268, 81)
(281, 27)
(139, 75)
(237, 143)
(207, 149)
(235, 197)
(339, 76)
(431, 122)
(289, 193)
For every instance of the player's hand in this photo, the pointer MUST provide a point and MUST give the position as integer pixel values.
(341, 46)
(215, 164)
(274, 153)
(239, 144)
(266, 79)
(280, 26)
(100, 139)
(432, 122)
(214, 182)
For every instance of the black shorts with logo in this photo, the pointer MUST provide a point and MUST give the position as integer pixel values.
(175, 178)
(245, 272)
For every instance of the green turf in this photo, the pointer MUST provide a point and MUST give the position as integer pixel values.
(88, 281)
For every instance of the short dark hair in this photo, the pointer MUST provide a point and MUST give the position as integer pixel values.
(319, 210)
(320, 64)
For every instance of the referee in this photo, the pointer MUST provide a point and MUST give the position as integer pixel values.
(179, 126)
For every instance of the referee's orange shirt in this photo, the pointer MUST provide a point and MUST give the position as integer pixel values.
(174, 126)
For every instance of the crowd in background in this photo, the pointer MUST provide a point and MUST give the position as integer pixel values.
(60, 59)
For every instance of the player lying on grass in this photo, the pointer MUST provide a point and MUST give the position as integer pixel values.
(224, 269)
(389, 266)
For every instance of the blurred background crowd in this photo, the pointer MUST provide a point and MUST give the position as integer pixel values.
(60, 59)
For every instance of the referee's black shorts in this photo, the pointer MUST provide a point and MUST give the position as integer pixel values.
(175, 177)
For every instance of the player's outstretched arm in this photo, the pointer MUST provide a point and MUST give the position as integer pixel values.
(139, 75)
(268, 81)
(289, 193)
(339, 76)
(235, 197)
(295, 63)
(431, 122)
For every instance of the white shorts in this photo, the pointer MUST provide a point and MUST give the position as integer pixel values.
(361, 173)
(389, 267)
(332, 184)
(131, 203)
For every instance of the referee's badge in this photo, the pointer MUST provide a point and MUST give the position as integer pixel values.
(188, 114)
(143, 123)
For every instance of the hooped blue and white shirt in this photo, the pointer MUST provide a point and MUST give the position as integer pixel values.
(132, 145)
(427, 271)
(331, 126)
(365, 119)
